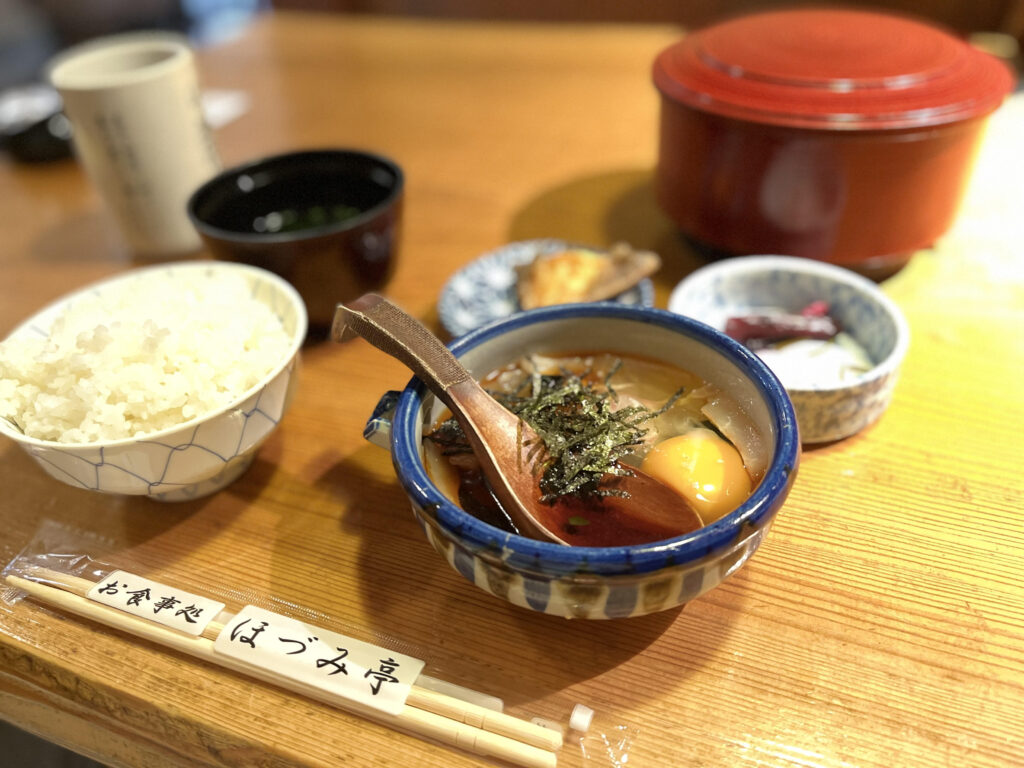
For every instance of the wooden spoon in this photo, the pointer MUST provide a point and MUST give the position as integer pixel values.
(502, 442)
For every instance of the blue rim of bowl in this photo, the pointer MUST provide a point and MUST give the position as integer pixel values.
(762, 504)
(307, 234)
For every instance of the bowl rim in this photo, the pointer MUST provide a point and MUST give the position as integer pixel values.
(760, 506)
(174, 44)
(294, 345)
(799, 265)
(274, 238)
(714, 71)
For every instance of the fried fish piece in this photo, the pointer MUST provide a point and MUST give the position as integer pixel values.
(580, 274)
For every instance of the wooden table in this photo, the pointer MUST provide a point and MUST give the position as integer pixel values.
(881, 624)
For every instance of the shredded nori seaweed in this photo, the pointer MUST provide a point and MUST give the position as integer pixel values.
(584, 436)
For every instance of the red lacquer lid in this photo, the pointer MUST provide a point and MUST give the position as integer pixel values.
(832, 69)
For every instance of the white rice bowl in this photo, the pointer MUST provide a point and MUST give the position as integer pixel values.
(160, 381)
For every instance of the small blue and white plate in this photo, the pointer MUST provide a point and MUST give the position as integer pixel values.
(485, 289)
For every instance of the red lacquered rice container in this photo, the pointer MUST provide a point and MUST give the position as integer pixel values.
(841, 135)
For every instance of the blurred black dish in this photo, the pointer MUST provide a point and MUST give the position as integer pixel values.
(32, 127)
(325, 220)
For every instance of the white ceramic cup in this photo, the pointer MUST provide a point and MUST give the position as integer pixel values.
(134, 105)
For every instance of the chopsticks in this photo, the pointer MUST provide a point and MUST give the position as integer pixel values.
(427, 713)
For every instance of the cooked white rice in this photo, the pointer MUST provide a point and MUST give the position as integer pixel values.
(155, 354)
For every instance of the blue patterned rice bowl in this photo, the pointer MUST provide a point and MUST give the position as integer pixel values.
(200, 456)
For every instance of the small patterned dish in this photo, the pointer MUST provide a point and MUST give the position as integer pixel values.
(832, 401)
(198, 457)
(485, 289)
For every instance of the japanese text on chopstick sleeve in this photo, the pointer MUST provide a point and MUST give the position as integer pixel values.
(157, 602)
(371, 675)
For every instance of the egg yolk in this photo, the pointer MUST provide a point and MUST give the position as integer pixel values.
(705, 469)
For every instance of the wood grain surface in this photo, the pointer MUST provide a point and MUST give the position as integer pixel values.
(881, 624)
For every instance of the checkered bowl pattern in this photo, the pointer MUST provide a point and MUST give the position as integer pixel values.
(198, 457)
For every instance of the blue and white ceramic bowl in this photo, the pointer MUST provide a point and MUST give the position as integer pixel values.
(485, 289)
(200, 456)
(592, 582)
(830, 404)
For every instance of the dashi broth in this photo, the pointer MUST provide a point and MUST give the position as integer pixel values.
(681, 408)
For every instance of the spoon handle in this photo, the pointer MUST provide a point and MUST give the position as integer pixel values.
(400, 335)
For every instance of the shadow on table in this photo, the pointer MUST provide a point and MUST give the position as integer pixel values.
(127, 532)
(188, 521)
(618, 205)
